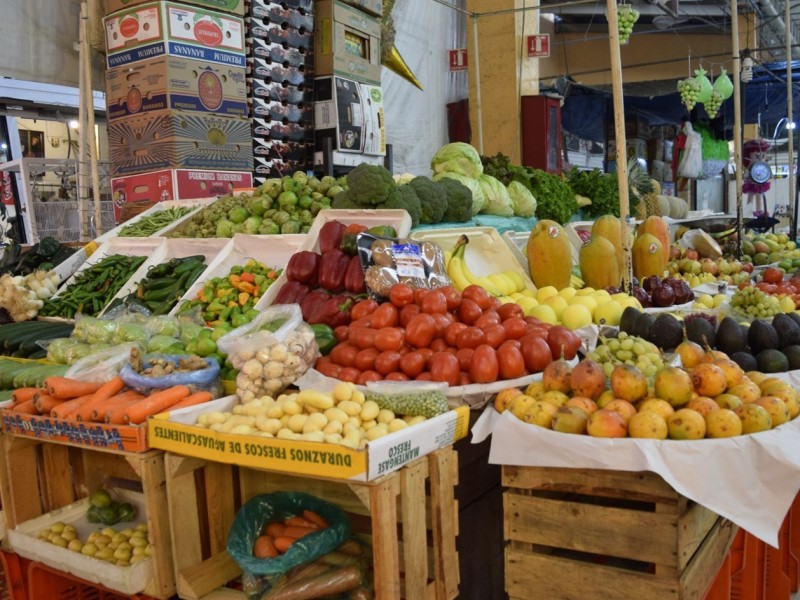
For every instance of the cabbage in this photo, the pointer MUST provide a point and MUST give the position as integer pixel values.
(457, 157)
(521, 199)
(478, 199)
(163, 325)
(224, 228)
(57, 349)
(160, 343)
(498, 202)
(130, 332)
(90, 330)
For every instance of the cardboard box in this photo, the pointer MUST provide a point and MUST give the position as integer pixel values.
(291, 132)
(636, 148)
(667, 188)
(277, 73)
(170, 140)
(263, 55)
(268, 148)
(351, 113)
(285, 113)
(373, 7)
(277, 167)
(229, 6)
(160, 28)
(668, 146)
(275, 14)
(659, 168)
(171, 82)
(258, 7)
(275, 34)
(262, 93)
(176, 432)
(347, 42)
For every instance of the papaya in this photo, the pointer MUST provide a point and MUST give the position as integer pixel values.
(611, 228)
(658, 227)
(648, 256)
(598, 261)
(549, 255)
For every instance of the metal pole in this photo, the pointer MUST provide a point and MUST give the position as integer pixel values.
(737, 123)
(790, 125)
(477, 61)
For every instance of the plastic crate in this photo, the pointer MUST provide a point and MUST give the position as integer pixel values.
(748, 569)
(721, 586)
(13, 579)
(46, 582)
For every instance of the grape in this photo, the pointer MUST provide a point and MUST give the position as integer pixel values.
(689, 90)
(630, 350)
(627, 344)
(755, 303)
(626, 18)
(713, 104)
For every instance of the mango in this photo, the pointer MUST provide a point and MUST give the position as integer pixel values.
(598, 262)
(549, 255)
(648, 257)
(611, 228)
(658, 227)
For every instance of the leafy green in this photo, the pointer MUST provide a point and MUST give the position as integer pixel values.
(521, 199)
(554, 197)
(457, 157)
(498, 202)
(601, 188)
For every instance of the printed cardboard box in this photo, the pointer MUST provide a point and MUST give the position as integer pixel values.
(347, 42)
(263, 55)
(266, 168)
(351, 113)
(170, 140)
(275, 14)
(272, 112)
(289, 132)
(175, 83)
(229, 6)
(150, 30)
(262, 93)
(267, 148)
(260, 6)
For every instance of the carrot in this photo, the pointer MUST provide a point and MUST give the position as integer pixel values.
(116, 413)
(45, 403)
(275, 530)
(63, 409)
(300, 522)
(65, 388)
(26, 407)
(310, 515)
(123, 400)
(23, 394)
(104, 392)
(298, 532)
(264, 547)
(283, 543)
(155, 404)
(197, 398)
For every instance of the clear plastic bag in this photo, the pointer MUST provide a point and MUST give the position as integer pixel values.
(691, 163)
(269, 361)
(91, 330)
(57, 349)
(201, 380)
(101, 366)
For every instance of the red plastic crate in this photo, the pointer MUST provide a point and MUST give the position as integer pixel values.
(49, 583)
(779, 563)
(721, 586)
(13, 578)
(748, 567)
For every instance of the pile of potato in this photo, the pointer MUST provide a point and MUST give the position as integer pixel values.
(122, 548)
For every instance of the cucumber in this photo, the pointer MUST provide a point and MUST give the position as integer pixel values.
(9, 372)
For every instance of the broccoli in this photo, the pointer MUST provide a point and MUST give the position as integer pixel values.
(344, 200)
(432, 198)
(369, 184)
(459, 201)
(406, 198)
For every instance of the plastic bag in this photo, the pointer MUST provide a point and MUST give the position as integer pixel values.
(91, 330)
(691, 163)
(269, 361)
(74, 353)
(255, 514)
(101, 366)
(57, 349)
(201, 380)
(163, 325)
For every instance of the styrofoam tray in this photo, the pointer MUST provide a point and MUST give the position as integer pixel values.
(169, 249)
(273, 250)
(517, 242)
(195, 205)
(128, 580)
(397, 218)
(486, 253)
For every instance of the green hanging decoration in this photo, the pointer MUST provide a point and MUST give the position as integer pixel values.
(723, 85)
(705, 85)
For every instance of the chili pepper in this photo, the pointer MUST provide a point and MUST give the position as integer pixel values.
(332, 269)
(383, 231)
(330, 236)
(348, 245)
(188, 264)
(334, 313)
(325, 338)
(248, 277)
(303, 267)
(354, 277)
(292, 292)
(312, 302)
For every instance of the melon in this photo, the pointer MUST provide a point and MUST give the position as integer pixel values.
(664, 206)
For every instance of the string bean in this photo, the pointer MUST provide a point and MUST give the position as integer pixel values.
(150, 224)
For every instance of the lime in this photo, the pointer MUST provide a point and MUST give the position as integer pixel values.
(93, 514)
(126, 512)
(109, 515)
(101, 498)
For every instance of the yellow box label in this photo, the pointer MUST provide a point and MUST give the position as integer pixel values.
(90, 248)
(326, 36)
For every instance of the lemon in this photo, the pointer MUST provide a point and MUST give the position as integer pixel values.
(587, 291)
(707, 300)
(568, 292)
(608, 313)
(576, 316)
(526, 304)
(545, 314)
(557, 303)
(545, 292)
(529, 293)
(100, 499)
(787, 304)
(719, 299)
(601, 297)
(586, 301)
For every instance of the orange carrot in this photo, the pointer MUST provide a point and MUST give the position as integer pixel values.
(62, 410)
(45, 403)
(116, 413)
(282, 544)
(103, 393)
(300, 522)
(23, 394)
(310, 515)
(123, 400)
(65, 388)
(275, 530)
(264, 547)
(298, 532)
(197, 398)
(26, 407)
(155, 404)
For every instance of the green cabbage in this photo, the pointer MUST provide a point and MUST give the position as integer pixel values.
(478, 199)
(498, 202)
(160, 343)
(457, 157)
(521, 199)
(130, 332)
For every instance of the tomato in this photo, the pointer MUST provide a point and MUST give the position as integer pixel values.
(426, 376)
(512, 343)
(478, 295)
(512, 364)
(362, 309)
(489, 317)
(464, 378)
(434, 302)
(484, 367)
(419, 294)
(563, 342)
(515, 328)
(772, 275)
(385, 315)
(509, 310)
(536, 330)
(349, 374)
(426, 352)
(341, 333)
(421, 330)
(369, 376)
(443, 321)
(495, 334)
(444, 367)
(407, 313)
(453, 297)
(401, 295)
(471, 337)
(327, 368)
(387, 362)
(365, 360)
(412, 364)
(396, 376)
(438, 345)
(469, 311)
(363, 337)
(389, 338)
(464, 357)
(535, 352)
(360, 323)
(533, 321)
(344, 355)
(494, 303)
(452, 331)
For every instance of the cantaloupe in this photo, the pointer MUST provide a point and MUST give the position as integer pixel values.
(549, 255)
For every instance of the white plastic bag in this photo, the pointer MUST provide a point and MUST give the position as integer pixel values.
(102, 366)
(691, 163)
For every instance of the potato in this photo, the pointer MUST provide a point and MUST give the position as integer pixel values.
(348, 427)
(285, 434)
(267, 425)
(285, 420)
(354, 437)
(238, 409)
(336, 414)
(376, 432)
(242, 430)
(264, 434)
(417, 419)
(292, 407)
(313, 436)
(355, 421)
(369, 411)
(332, 427)
(358, 397)
(215, 427)
(385, 416)
(253, 409)
(332, 438)
(315, 399)
(275, 411)
(296, 422)
(397, 425)
(348, 443)
(315, 422)
(351, 408)
(202, 419)
(367, 425)
(342, 391)
(227, 426)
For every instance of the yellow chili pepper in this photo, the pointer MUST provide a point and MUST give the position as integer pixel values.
(222, 292)
(246, 287)
(232, 304)
(234, 279)
(243, 298)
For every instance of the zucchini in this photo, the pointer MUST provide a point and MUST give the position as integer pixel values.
(9, 372)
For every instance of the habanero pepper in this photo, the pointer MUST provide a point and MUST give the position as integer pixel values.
(332, 269)
(292, 292)
(303, 267)
(354, 281)
(312, 303)
(334, 312)
(330, 236)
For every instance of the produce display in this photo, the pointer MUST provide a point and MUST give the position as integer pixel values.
(629, 350)
(22, 340)
(16, 375)
(92, 288)
(104, 509)
(765, 249)
(498, 284)
(123, 547)
(22, 297)
(42, 256)
(278, 536)
(149, 224)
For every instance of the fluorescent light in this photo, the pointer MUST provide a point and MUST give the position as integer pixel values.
(73, 124)
(791, 125)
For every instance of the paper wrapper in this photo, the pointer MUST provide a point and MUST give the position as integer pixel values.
(751, 480)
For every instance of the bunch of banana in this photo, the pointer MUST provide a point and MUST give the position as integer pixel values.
(498, 284)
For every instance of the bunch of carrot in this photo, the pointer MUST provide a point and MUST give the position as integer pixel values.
(277, 537)
(109, 402)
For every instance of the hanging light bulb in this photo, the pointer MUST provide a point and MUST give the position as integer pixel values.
(747, 68)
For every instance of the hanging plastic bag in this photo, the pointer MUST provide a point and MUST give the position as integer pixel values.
(723, 85)
(691, 163)
(705, 87)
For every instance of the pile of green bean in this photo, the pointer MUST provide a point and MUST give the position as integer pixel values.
(150, 224)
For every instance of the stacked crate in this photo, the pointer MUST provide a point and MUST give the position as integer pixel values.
(177, 102)
(280, 67)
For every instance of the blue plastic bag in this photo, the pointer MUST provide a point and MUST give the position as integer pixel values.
(201, 380)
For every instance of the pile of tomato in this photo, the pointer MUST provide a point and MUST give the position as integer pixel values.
(773, 284)
(443, 335)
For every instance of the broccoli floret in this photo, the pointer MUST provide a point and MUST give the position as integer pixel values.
(369, 184)
(432, 198)
(406, 198)
(459, 201)
(344, 200)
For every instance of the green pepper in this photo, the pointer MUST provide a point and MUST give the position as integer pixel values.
(238, 320)
(326, 340)
(383, 231)
(237, 270)
(348, 244)
(187, 266)
(206, 346)
(225, 314)
(259, 279)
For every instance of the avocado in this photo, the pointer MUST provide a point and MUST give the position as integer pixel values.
(644, 324)
(745, 360)
(772, 361)
(762, 336)
(627, 321)
(788, 331)
(701, 331)
(793, 355)
(666, 332)
(794, 317)
(731, 337)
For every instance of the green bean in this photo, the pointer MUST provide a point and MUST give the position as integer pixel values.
(150, 224)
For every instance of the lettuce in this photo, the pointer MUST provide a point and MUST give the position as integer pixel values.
(457, 157)
(498, 202)
(521, 199)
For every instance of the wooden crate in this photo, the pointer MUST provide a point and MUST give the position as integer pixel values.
(582, 534)
(37, 477)
(418, 563)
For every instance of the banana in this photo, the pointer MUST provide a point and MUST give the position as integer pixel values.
(447, 256)
(576, 282)
(456, 274)
(503, 283)
(516, 278)
(484, 282)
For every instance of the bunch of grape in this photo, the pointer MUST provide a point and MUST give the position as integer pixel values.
(756, 303)
(626, 18)
(689, 90)
(630, 350)
(712, 104)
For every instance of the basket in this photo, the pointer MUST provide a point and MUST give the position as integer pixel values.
(14, 577)
(52, 584)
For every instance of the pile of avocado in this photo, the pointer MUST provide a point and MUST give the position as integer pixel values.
(769, 347)
(103, 509)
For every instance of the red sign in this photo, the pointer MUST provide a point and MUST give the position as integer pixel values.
(208, 33)
(6, 191)
(539, 45)
(458, 59)
(129, 27)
